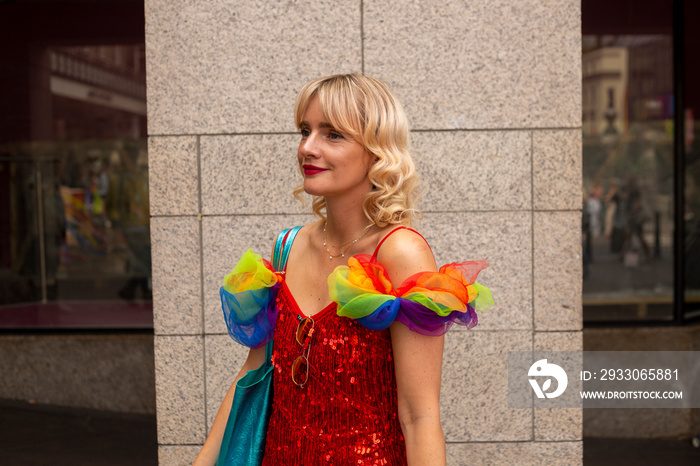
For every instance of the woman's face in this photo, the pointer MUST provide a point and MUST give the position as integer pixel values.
(333, 164)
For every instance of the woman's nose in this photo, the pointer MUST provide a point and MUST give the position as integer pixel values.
(308, 147)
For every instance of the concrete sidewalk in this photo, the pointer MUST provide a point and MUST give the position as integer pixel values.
(52, 435)
(58, 436)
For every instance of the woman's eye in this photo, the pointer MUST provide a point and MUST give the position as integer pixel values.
(332, 135)
(304, 132)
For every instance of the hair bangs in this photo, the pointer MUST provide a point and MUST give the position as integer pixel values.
(339, 102)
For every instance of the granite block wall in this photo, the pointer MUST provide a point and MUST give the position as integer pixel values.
(492, 89)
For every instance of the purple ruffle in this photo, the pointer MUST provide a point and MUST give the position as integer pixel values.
(420, 319)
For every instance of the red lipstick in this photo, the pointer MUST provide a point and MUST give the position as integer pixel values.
(312, 169)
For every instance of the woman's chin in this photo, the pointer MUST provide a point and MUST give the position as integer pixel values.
(325, 189)
(313, 189)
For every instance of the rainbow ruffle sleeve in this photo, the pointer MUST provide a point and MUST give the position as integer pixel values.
(427, 302)
(248, 300)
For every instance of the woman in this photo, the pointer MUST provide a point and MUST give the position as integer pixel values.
(370, 392)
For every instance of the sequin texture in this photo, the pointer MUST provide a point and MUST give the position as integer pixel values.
(347, 412)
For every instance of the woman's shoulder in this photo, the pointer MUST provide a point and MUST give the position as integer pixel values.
(402, 237)
(403, 252)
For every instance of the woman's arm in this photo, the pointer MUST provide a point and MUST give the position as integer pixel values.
(417, 358)
(418, 365)
(210, 450)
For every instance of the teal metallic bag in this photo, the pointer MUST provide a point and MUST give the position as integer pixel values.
(246, 428)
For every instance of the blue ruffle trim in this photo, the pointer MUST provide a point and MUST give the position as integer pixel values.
(250, 315)
(383, 316)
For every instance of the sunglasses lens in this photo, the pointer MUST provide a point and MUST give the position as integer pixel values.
(303, 330)
(300, 367)
(300, 371)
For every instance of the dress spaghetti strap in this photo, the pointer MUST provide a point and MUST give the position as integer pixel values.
(376, 251)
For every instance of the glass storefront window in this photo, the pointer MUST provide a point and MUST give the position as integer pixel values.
(628, 162)
(74, 212)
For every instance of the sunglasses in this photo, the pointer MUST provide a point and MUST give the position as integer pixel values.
(300, 366)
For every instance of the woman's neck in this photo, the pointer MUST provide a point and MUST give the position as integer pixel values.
(345, 221)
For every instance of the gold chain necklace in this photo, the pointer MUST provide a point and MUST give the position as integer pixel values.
(348, 244)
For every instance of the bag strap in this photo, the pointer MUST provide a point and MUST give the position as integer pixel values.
(279, 261)
(282, 247)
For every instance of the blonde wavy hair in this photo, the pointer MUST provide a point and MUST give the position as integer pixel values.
(365, 109)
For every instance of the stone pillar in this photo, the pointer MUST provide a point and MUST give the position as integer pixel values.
(492, 90)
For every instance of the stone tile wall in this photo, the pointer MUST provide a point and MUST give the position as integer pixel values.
(492, 89)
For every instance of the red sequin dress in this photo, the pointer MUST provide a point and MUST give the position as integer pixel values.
(347, 412)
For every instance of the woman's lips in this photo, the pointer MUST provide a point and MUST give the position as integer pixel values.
(312, 170)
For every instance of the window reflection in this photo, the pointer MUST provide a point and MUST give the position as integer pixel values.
(75, 246)
(627, 177)
(692, 208)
